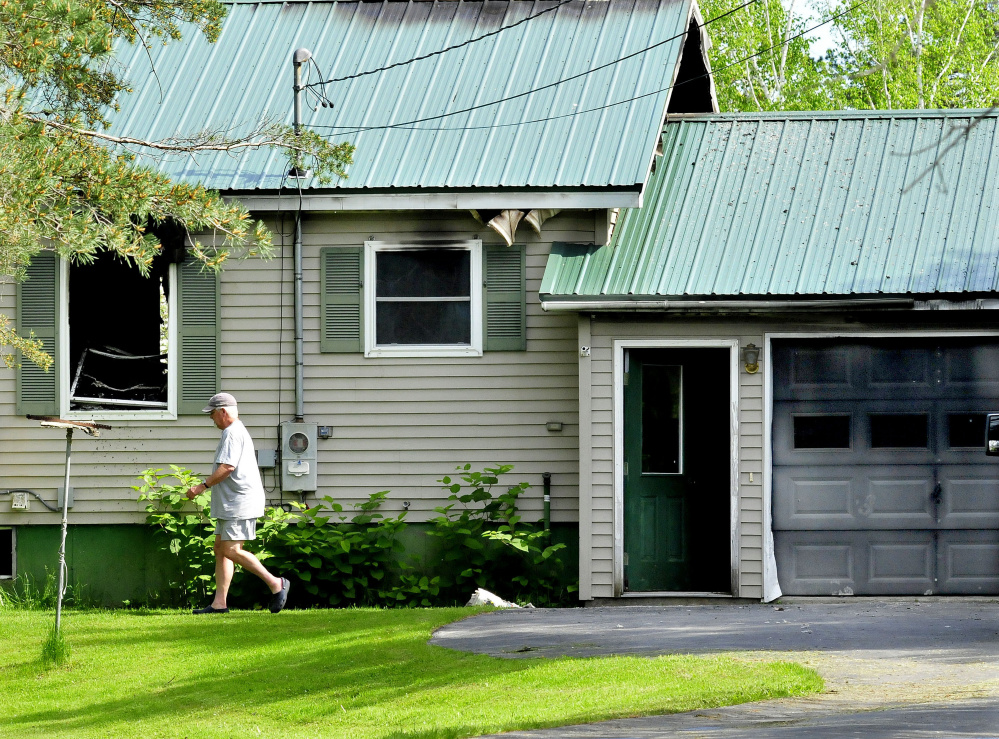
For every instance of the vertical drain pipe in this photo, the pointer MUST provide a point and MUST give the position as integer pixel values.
(547, 477)
(300, 57)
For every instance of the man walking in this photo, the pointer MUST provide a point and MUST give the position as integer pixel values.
(237, 503)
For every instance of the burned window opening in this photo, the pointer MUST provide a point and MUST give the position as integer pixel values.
(118, 326)
(692, 89)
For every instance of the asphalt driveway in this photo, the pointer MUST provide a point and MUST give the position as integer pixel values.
(901, 668)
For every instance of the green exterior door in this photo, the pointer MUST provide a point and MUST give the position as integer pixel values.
(677, 459)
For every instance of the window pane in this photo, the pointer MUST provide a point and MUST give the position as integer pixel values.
(423, 323)
(899, 430)
(423, 273)
(967, 430)
(661, 418)
(821, 432)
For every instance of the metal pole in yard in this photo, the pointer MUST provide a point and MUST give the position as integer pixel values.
(92, 429)
(65, 523)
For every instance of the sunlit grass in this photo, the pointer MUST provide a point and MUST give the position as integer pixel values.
(336, 673)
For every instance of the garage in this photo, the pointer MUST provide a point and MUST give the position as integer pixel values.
(880, 481)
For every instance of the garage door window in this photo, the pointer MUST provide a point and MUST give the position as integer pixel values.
(966, 430)
(899, 430)
(822, 432)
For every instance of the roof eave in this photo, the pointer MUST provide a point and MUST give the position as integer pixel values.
(626, 304)
(484, 199)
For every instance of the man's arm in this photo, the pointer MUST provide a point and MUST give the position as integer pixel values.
(221, 472)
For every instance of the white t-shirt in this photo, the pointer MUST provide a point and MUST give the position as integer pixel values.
(241, 495)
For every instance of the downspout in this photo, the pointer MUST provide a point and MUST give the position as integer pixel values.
(300, 57)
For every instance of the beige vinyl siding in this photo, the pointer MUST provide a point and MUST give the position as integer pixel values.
(398, 424)
(604, 331)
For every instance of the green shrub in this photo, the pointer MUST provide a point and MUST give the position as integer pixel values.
(484, 542)
(352, 561)
(184, 528)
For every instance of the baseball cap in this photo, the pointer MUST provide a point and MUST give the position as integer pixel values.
(219, 400)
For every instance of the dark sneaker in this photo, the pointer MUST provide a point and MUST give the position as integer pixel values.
(209, 609)
(279, 598)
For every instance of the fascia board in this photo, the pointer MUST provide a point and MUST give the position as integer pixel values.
(482, 200)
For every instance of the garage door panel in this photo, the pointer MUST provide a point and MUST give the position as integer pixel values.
(969, 562)
(816, 372)
(854, 562)
(844, 432)
(969, 497)
(853, 497)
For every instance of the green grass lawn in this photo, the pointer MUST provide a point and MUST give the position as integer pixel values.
(332, 673)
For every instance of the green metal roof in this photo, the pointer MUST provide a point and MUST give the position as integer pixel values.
(597, 130)
(789, 204)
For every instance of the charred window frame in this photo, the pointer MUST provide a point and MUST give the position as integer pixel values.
(410, 292)
(126, 374)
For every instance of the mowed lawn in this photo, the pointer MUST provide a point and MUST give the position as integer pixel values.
(332, 673)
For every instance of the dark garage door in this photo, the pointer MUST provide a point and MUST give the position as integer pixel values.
(881, 483)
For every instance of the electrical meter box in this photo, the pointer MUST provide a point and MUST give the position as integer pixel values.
(298, 457)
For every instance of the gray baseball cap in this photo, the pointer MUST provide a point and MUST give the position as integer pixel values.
(219, 400)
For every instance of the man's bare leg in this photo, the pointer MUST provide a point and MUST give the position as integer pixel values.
(234, 553)
(223, 575)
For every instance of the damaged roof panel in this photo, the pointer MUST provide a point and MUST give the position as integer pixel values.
(789, 204)
(596, 128)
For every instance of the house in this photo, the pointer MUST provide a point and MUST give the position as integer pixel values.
(415, 340)
(754, 351)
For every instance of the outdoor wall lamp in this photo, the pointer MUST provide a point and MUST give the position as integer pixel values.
(751, 356)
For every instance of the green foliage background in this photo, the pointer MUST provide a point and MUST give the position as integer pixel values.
(886, 55)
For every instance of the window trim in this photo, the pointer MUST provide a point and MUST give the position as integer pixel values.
(173, 360)
(473, 349)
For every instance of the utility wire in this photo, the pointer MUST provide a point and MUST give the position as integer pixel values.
(407, 124)
(441, 51)
(744, 59)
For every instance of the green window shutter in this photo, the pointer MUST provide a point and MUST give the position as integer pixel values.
(37, 311)
(505, 298)
(342, 304)
(198, 332)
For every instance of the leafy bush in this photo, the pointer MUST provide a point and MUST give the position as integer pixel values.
(350, 562)
(184, 528)
(484, 542)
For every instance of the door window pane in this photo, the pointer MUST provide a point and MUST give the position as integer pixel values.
(892, 431)
(966, 430)
(662, 418)
(821, 432)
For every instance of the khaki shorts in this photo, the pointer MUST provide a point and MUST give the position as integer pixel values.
(236, 529)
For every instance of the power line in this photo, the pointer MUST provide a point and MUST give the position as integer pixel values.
(440, 51)
(408, 124)
(601, 107)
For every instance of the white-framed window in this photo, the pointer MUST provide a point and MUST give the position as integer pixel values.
(117, 341)
(423, 299)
